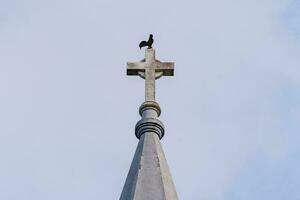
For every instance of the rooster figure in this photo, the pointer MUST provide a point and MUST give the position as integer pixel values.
(148, 43)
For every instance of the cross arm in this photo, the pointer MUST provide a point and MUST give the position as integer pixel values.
(167, 68)
(133, 68)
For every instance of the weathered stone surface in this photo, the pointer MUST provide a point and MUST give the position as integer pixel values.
(149, 177)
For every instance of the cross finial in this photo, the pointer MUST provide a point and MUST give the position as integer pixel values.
(149, 176)
(150, 69)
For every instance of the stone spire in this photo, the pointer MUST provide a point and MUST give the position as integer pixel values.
(149, 177)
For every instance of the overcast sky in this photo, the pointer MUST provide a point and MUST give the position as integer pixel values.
(68, 110)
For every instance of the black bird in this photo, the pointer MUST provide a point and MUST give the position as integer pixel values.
(148, 43)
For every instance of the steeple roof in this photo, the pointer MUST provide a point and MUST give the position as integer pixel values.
(149, 177)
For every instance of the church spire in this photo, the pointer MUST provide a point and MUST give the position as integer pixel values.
(149, 177)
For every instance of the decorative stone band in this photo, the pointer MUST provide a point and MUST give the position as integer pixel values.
(150, 105)
(149, 125)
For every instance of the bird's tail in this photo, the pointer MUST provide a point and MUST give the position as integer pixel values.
(143, 44)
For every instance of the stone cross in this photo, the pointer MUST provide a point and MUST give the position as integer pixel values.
(150, 69)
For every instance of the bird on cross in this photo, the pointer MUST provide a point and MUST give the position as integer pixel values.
(148, 43)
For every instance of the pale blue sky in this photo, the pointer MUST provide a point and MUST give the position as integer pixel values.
(68, 110)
